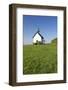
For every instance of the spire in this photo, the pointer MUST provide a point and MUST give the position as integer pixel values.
(38, 30)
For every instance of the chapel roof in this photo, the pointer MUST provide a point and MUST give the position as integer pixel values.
(39, 34)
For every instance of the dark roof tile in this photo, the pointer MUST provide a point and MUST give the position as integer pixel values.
(39, 34)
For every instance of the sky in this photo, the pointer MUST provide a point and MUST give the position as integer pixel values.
(47, 26)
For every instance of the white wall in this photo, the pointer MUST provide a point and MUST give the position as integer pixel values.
(4, 47)
(37, 37)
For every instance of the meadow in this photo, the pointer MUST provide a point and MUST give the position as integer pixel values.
(40, 59)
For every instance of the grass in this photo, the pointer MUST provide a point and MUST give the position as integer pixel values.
(40, 59)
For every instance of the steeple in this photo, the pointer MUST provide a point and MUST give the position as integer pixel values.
(38, 30)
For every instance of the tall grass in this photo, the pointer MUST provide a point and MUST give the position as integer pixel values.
(40, 59)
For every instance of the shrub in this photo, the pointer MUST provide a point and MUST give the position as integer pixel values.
(38, 43)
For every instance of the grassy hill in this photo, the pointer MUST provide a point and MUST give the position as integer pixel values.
(54, 41)
(39, 59)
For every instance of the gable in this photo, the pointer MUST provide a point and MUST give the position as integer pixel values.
(38, 34)
(36, 38)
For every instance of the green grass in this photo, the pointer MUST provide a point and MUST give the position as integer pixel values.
(40, 59)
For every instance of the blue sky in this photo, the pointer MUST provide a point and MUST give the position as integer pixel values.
(46, 24)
